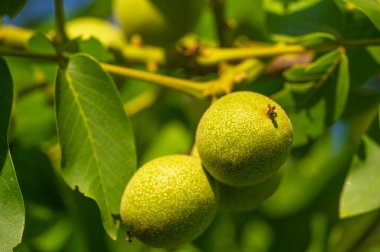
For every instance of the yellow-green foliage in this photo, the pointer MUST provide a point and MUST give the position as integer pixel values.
(239, 142)
(169, 201)
(158, 22)
(86, 27)
(248, 198)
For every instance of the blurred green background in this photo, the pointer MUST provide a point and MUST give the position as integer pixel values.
(303, 215)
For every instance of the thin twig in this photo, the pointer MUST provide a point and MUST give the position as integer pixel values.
(30, 55)
(222, 28)
(60, 23)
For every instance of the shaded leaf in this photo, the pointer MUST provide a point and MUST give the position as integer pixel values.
(11, 7)
(309, 122)
(316, 72)
(342, 87)
(371, 8)
(332, 68)
(253, 26)
(12, 218)
(98, 152)
(307, 175)
(351, 231)
(361, 192)
(91, 46)
(6, 100)
(303, 17)
(304, 178)
(39, 43)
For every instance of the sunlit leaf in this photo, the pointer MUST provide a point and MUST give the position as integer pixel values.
(12, 217)
(311, 39)
(361, 192)
(11, 7)
(98, 152)
(288, 6)
(371, 8)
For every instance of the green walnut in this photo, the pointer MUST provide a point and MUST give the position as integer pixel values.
(158, 22)
(244, 138)
(169, 201)
(86, 27)
(248, 198)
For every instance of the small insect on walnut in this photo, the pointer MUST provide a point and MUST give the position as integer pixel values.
(129, 236)
(271, 112)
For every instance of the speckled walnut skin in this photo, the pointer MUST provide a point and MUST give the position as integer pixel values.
(240, 142)
(169, 201)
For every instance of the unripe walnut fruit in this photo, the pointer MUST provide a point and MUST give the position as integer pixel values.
(169, 201)
(248, 198)
(244, 138)
(158, 22)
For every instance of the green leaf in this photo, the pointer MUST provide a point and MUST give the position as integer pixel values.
(40, 43)
(12, 218)
(303, 17)
(98, 152)
(305, 177)
(332, 68)
(361, 191)
(371, 8)
(308, 123)
(316, 72)
(6, 100)
(307, 40)
(283, 7)
(351, 232)
(320, 166)
(342, 86)
(11, 7)
(91, 46)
